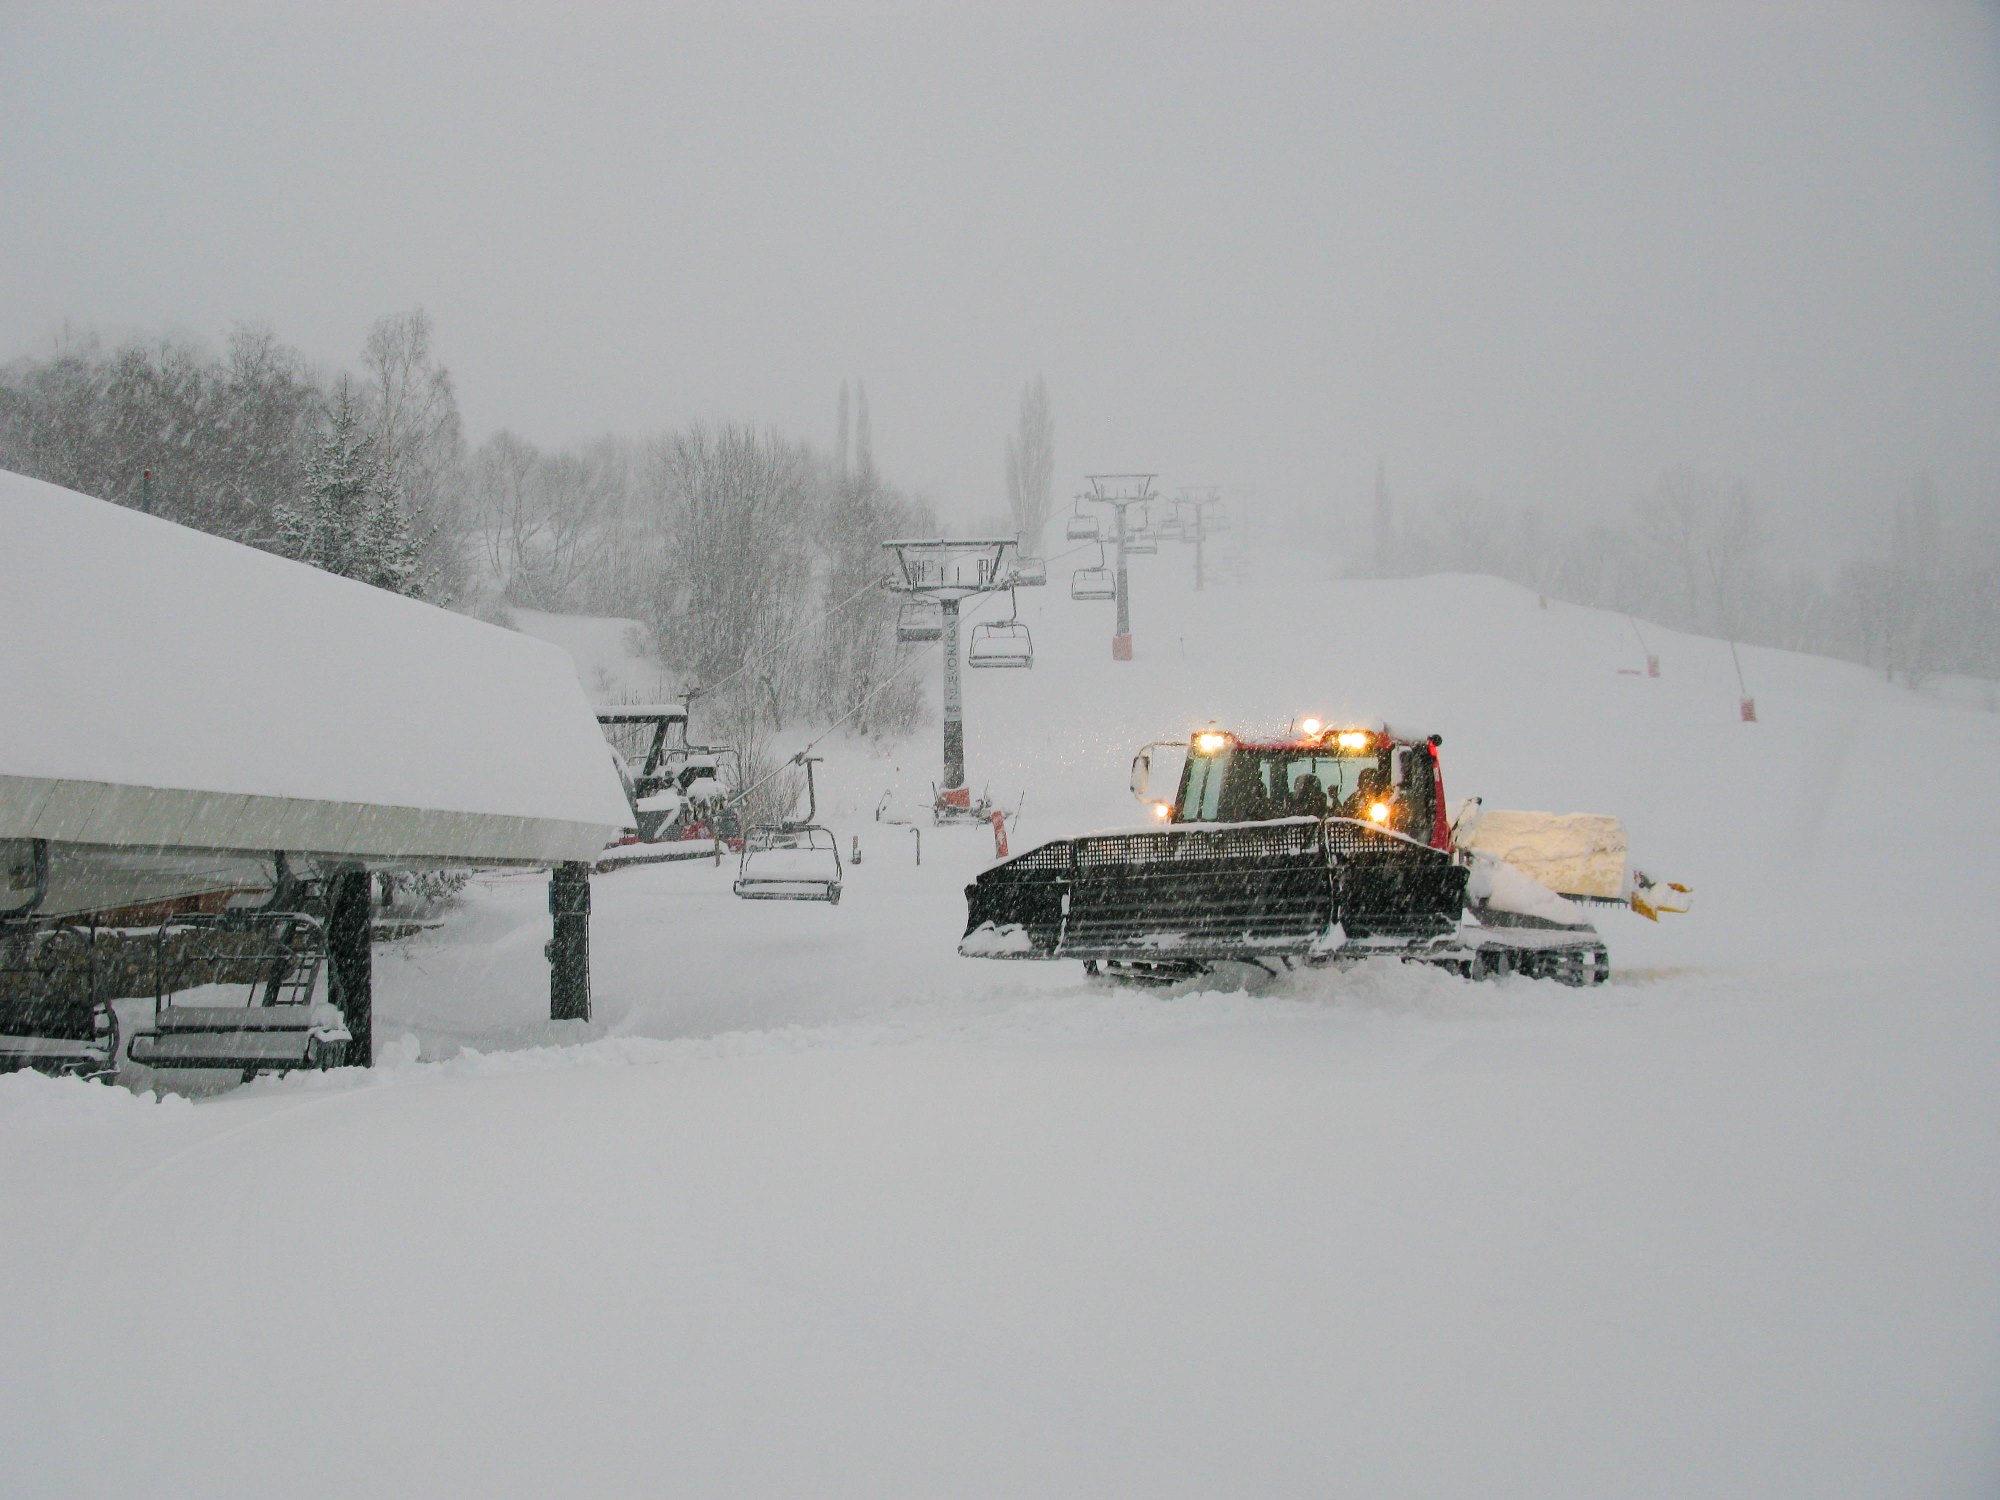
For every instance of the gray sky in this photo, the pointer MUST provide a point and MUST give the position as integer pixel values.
(1541, 251)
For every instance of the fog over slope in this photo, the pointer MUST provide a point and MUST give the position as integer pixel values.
(1544, 252)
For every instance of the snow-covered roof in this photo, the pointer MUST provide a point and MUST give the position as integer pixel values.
(162, 687)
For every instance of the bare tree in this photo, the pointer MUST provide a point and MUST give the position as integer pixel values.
(265, 414)
(730, 504)
(1675, 518)
(1733, 560)
(864, 435)
(413, 417)
(1467, 529)
(579, 492)
(1031, 466)
(549, 523)
(1710, 535)
(840, 434)
(223, 440)
(504, 503)
(856, 653)
(1904, 592)
(1385, 523)
(49, 414)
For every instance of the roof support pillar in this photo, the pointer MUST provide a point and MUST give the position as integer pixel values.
(348, 915)
(569, 945)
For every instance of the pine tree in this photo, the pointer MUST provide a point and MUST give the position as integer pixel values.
(346, 518)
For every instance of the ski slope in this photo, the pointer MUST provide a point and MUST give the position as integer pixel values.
(816, 1207)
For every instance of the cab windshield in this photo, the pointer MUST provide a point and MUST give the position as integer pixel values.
(1242, 785)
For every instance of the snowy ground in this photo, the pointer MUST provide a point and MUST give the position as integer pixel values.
(816, 1207)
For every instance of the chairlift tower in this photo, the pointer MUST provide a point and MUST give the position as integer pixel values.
(1197, 505)
(1121, 492)
(948, 572)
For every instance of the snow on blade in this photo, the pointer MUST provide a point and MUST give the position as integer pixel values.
(1575, 854)
(990, 941)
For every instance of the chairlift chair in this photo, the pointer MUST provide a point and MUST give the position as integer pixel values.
(706, 787)
(1140, 538)
(919, 620)
(642, 735)
(687, 789)
(1094, 583)
(1082, 526)
(242, 991)
(670, 783)
(1030, 572)
(1001, 643)
(794, 860)
(53, 1019)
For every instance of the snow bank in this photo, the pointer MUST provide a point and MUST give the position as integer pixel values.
(31, 1101)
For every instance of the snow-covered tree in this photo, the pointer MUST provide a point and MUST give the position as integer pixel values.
(346, 517)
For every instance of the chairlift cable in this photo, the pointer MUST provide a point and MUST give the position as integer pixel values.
(827, 614)
(913, 658)
(869, 697)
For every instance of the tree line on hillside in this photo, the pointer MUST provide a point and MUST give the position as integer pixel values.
(1699, 553)
(355, 473)
(752, 559)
